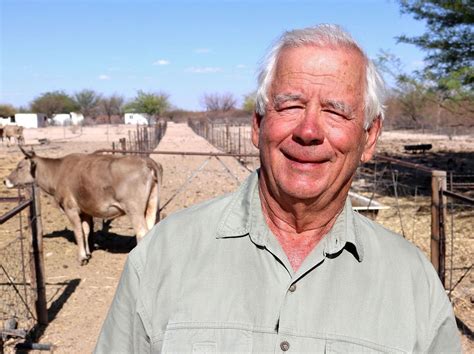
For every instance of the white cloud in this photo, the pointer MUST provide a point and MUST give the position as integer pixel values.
(104, 77)
(161, 62)
(202, 50)
(204, 69)
(241, 66)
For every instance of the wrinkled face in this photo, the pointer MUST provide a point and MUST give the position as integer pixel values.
(21, 175)
(312, 138)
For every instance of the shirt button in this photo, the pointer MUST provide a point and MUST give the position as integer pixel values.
(284, 346)
(292, 288)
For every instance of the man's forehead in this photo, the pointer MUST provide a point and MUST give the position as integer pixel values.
(318, 65)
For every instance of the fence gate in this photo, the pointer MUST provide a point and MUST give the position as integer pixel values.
(22, 284)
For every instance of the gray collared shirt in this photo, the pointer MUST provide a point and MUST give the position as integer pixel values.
(213, 278)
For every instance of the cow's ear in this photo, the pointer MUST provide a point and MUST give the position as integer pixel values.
(28, 154)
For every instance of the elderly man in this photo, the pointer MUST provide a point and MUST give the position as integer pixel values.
(284, 264)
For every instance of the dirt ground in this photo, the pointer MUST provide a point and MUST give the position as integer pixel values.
(78, 297)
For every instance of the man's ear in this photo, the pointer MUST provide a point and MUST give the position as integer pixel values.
(256, 121)
(372, 135)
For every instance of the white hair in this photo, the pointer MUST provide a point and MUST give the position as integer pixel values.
(322, 35)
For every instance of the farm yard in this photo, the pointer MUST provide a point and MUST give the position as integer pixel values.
(78, 297)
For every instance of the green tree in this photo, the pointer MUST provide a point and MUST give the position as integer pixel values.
(449, 39)
(87, 102)
(112, 105)
(54, 102)
(152, 104)
(248, 104)
(7, 110)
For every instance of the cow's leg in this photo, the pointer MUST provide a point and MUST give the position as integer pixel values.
(153, 207)
(87, 229)
(76, 222)
(139, 224)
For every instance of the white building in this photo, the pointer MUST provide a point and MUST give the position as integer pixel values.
(5, 121)
(67, 118)
(135, 118)
(29, 120)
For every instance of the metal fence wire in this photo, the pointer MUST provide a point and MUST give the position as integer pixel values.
(17, 297)
(144, 138)
(22, 286)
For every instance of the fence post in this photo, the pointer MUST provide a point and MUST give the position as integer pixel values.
(438, 216)
(36, 256)
(123, 144)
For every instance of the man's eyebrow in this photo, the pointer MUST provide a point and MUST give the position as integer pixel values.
(285, 97)
(339, 106)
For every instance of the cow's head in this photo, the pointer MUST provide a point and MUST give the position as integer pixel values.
(24, 172)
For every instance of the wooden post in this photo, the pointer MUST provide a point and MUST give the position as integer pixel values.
(123, 144)
(240, 141)
(227, 137)
(36, 256)
(438, 216)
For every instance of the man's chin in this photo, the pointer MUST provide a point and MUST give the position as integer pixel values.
(304, 191)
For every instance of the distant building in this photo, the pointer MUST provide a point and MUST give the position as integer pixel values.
(135, 118)
(67, 118)
(5, 121)
(29, 120)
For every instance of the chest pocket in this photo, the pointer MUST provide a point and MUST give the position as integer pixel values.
(333, 347)
(205, 338)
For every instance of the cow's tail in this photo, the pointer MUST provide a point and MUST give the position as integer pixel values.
(152, 213)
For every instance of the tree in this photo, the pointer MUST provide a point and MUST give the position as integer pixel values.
(54, 102)
(7, 110)
(218, 102)
(249, 102)
(417, 96)
(112, 105)
(87, 102)
(228, 102)
(449, 39)
(152, 104)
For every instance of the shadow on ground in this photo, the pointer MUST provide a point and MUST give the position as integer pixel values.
(100, 240)
(53, 310)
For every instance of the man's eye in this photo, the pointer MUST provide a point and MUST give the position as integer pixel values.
(290, 108)
(335, 113)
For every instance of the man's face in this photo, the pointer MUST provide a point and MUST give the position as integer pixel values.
(312, 137)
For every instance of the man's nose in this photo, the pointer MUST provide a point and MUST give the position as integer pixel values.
(309, 130)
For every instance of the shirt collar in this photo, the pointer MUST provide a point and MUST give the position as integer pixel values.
(244, 217)
(344, 235)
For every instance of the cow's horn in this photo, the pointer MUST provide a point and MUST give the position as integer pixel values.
(29, 155)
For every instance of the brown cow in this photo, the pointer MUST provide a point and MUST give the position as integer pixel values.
(15, 132)
(95, 185)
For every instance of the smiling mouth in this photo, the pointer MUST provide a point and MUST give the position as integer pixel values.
(304, 160)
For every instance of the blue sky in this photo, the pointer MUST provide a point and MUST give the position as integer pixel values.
(184, 48)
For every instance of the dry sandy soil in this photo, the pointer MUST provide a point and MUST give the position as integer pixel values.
(78, 297)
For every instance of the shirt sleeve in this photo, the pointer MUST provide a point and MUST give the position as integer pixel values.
(446, 337)
(123, 330)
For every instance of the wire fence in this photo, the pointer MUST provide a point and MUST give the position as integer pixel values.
(144, 138)
(22, 287)
(233, 138)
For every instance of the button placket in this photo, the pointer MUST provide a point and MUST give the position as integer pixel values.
(292, 288)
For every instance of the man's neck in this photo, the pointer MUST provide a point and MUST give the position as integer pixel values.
(299, 228)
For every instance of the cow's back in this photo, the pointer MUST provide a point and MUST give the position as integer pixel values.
(99, 185)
